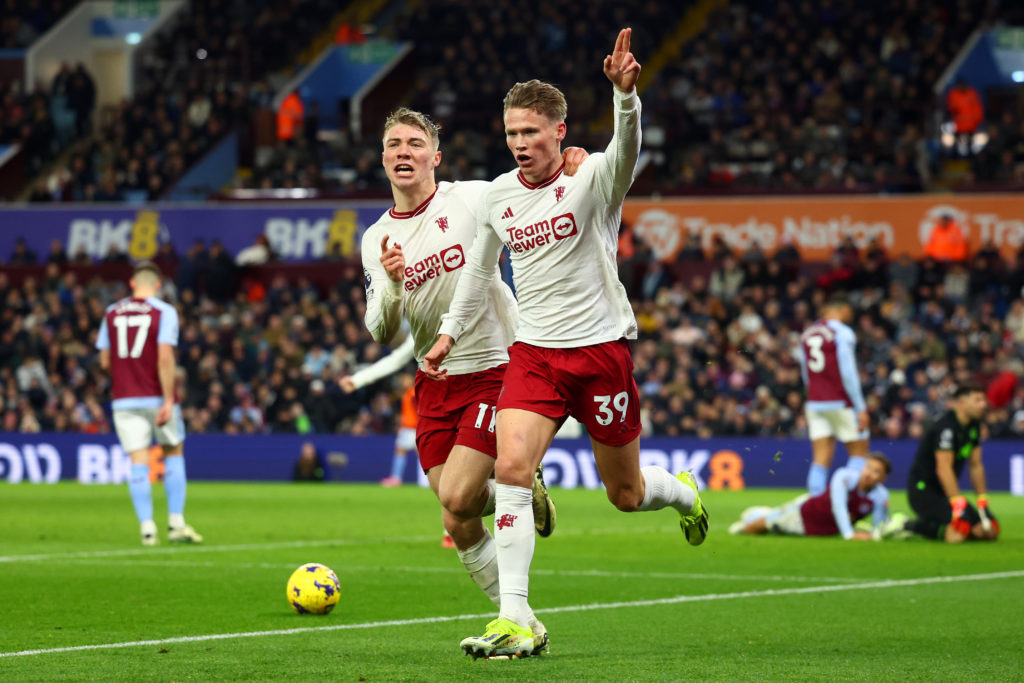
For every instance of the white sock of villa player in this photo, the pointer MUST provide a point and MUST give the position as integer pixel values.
(661, 490)
(515, 538)
(489, 505)
(142, 492)
(481, 561)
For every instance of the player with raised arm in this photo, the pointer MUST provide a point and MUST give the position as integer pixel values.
(852, 495)
(137, 341)
(412, 257)
(572, 355)
(835, 407)
(952, 442)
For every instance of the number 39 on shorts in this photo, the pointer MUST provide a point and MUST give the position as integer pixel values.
(604, 414)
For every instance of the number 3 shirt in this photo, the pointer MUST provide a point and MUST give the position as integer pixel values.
(132, 329)
(829, 367)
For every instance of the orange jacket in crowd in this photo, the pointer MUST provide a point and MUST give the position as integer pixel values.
(289, 117)
(965, 106)
(947, 242)
(409, 408)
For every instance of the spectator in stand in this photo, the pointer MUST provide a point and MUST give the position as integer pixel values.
(22, 255)
(964, 105)
(310, 464)
(946, 244)
(256, 254)
(289, 117)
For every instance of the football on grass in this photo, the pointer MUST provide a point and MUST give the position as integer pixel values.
(313, 589)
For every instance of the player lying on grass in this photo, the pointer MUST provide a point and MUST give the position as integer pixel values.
(947, 446)
(852, 495)
(412, 257)
(571, 354)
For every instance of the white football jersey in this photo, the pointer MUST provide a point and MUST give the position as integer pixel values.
(435, 239)
(562, 235)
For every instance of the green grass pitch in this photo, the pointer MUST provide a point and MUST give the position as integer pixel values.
(623, 596)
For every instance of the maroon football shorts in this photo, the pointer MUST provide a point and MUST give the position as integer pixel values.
(457, 411)
(594, 384)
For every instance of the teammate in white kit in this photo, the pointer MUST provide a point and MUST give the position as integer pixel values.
(835, 407)
(571, 355)
(136, 341)
(412, 257)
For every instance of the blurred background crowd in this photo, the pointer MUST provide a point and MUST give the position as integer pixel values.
(751, 96)
(762, 96)
(716, 353)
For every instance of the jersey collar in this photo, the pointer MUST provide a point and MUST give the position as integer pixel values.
(402, 215)
(544, 183)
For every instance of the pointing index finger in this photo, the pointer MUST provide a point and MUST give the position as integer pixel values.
(384, 244)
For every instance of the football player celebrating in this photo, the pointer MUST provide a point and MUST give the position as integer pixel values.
(572, 355)
(412, 257)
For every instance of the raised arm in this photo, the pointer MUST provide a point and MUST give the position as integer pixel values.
(383, 267)
(623, 151)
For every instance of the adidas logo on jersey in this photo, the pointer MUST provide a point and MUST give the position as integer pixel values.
(508, 214)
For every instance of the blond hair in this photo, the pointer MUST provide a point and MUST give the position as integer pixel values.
(410, 117)
(147, 272)
(539, 96)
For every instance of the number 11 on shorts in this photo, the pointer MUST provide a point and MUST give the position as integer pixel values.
(604, 413)
(483, 414)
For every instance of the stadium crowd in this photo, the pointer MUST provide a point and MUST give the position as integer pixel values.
(202, 78)
(769, 96)
(716, 353)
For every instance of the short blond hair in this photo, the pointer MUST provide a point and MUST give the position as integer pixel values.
(410, 117)
(539, 96)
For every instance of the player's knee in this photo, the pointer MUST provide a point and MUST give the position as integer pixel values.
(625, 499)
(515, 471)
(459, 503)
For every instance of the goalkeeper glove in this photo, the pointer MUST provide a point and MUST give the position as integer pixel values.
(986, 521)
(960, 525)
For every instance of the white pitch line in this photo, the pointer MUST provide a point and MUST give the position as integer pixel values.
(596, 573)
(891, 583)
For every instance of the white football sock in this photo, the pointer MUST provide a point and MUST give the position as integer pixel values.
(514, 535)
(176, 521)
(661, 489)
(489, 505)
(481, 561)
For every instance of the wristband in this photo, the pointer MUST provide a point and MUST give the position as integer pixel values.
(983, 501)
(958, 503)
